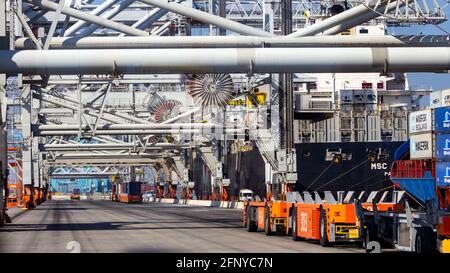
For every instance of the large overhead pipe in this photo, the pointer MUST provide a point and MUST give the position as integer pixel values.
(45, 4)
(108, 146)
(138, 132)
(207, 18)
(358, 15)
(237, 42)
(45, 127)
(226, 60)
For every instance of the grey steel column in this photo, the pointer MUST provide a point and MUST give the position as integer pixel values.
(286, 94)
(222, 13)
(27, 162)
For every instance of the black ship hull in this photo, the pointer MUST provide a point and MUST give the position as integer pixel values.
(344, 166)
(337, 166)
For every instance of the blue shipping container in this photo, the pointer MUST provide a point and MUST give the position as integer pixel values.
(442, 147)
(442, 174)
(442, 119)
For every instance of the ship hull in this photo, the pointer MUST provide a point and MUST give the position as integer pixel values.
(333, 166)
(344, 166)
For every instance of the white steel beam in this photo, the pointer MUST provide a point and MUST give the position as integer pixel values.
(98, 10)
(207, 18)
(362, 11)
(109, 15)
(45, 4)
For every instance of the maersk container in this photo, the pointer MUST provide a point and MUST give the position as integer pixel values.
(443, 174)
(421, 146)
(420, 122)
(442, 147)
(436, 99)
(442, 119)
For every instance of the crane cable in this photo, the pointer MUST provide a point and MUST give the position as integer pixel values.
(320, 175)
(343, 174)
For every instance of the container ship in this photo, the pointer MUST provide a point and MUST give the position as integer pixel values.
(346, 129)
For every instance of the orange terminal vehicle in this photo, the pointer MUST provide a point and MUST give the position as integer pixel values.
(305, 216)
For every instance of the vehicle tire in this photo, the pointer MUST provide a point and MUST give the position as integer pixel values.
(249, 224)
(370, 234)
(267, 227)
(323, 229)
(425, 241)
(294, 225)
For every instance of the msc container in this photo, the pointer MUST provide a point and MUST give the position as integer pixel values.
(442, 119)
(420, 122)
(442, 147)
(443, 174)
(421, 146)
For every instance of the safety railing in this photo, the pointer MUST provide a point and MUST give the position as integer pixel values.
(412, 168)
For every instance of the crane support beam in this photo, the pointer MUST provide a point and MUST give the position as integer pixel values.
(208, 18)
(49, 5)
(135, 132)
(356, 16)
(226, 60)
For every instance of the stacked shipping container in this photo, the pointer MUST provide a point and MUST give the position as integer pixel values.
(442, 145)
(430, 138)
(130, 192)
(421, 134)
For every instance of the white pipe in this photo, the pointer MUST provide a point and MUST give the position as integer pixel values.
(356, 21)
(109, 15)
(109, 145)
(235, 42)
(98, 10)
(226, 60)
(133, 126)
(104, 147)
(207, 18)
(341, 18)
(140, 132)
(45, 4)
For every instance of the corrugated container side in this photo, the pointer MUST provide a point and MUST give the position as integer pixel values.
(443, 174)
(421, 146)
(420, 122)
(442, 119)
(442, 147)
(436, 99)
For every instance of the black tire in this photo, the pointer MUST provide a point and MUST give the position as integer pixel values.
(267, 226)
(323, 229)
(294, 225)
(370, 234)
(249, 224)
(425, 242)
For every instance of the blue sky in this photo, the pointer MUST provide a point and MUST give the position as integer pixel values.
(436, 80)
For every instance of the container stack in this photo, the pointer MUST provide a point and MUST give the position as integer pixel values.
(442, 145)
(421, 134)
(440, 98)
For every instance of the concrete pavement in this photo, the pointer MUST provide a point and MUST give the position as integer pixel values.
(104, 226)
